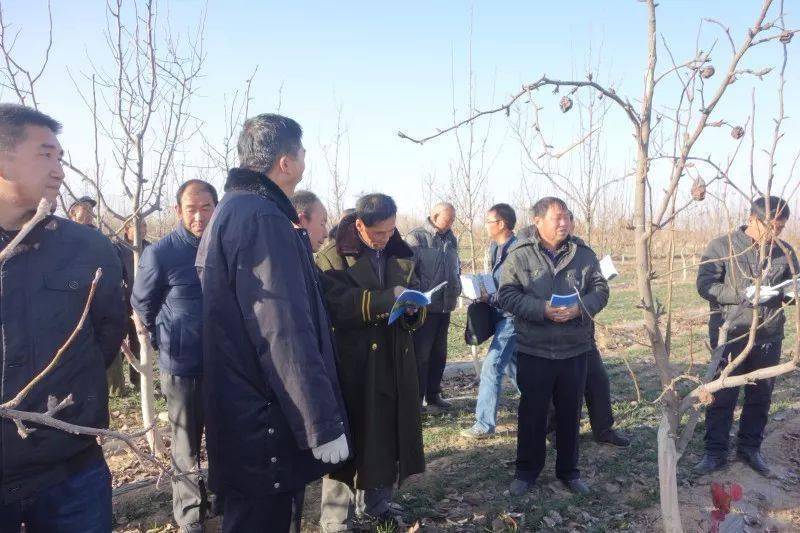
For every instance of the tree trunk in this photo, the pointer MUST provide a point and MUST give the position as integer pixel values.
(667, 476)
(146, 381)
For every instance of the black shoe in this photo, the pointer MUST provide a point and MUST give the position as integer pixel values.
(610, 436)
(755, 460)
(519, 487)
(710, 463)
(439, 402)
(576, 486)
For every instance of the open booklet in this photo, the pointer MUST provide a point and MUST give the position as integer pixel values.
(564, 300)
(410, 298)
(791, 291)
(473, 284)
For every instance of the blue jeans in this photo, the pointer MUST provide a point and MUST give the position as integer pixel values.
(500, 359)
(79, 504)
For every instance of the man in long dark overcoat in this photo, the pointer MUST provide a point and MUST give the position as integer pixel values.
(364, 270)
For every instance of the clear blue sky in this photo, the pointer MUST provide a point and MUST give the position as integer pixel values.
(389, 66)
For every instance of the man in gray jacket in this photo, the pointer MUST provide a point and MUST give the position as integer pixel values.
(436, 254)
(552, 341)
(726, 278)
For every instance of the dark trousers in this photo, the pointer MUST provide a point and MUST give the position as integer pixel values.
(542, 381)
(757, 399)
(185, 410)
(597, 396)
(715, 322)
(133, 342)
(430, 348)
(80, 503)
(269, 513)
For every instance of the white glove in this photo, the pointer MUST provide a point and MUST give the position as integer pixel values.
(766, 294)
(332, 452)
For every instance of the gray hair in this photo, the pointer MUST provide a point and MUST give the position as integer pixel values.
(265, 138)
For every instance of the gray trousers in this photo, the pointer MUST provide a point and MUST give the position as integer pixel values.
(185, 410)
(341, 503)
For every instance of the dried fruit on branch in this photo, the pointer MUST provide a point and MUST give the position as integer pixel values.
(699, 190)
(707, 71)
(566, 104)
(737, 132)
(786, 37)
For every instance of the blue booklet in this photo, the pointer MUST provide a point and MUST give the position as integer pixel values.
(412, 299)
(559, 300)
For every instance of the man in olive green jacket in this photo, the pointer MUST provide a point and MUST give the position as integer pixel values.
(363, 272)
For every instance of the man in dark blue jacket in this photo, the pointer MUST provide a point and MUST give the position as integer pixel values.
(167, 297)
(52, 480)
(275, 414)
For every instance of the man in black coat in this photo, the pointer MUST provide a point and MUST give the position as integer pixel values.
(275, 414)
(730, 265)
(52, 480)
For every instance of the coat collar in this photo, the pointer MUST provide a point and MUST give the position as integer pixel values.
(187, 236)
(242, 179)
(348, 242)
(430, 228)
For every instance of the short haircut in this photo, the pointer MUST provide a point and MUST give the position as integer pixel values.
(304, 202)
(505, 213)
(374, 208)
(202, 184)
(778, 208)
(265, 138)
(540, 208)
(14, 118)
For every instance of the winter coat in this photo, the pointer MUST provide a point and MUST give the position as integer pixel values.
(167, 297)
(528, 280)
(722, 280)
(44, 286)
(378, 370)
(436, 258)
(270, 381)
(497, 256)
(125, 253)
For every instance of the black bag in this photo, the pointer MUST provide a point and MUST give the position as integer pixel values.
(480, 323)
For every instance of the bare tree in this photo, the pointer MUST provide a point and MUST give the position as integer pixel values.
(17, 78)
(141, 109)
(692, 108)
(338, 165)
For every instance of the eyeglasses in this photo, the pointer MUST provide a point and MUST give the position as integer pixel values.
(493, 221)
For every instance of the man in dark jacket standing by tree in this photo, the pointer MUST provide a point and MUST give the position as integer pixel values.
(168, 300)
(552, 341)
(726, 278)
(436, 254)
(365, 269)
(52, 480)
(275, 414)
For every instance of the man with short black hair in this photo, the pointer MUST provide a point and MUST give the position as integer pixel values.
(365, 269)
(167, 298)
(500, 222)
(436, 255)
(727, 276)
(313, 217)
(276, 419)
(53, 480)
(552, 340)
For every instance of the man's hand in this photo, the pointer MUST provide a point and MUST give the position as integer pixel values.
(484, 297)
(398, 291)
(765, 294)
(561, 314)
(332, 452)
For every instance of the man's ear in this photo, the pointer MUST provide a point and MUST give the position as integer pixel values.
(177, 209)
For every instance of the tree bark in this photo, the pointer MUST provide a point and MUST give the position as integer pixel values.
(667, 476)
